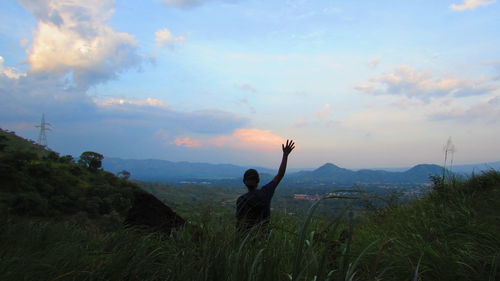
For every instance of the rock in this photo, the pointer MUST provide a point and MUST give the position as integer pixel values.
(147, 211)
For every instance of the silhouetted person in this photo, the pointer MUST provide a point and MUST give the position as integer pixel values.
(254, 207)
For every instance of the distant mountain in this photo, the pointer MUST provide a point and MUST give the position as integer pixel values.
(475, 168)
(228, 175)
(332, 174)
(168, 171)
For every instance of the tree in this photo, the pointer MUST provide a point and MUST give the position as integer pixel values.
(68, 159)
(91, 160)
(123, 174)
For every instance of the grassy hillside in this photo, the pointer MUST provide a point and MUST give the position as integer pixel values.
(35, 182)
(453, 233)
(9, 141)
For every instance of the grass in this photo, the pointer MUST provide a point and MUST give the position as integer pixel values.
(451, 234)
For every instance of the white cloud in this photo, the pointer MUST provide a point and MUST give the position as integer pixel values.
(496, 66)
(146, 102)
(247, 87)
(184, 4)
(244, 102)
(10, 72)
(374, 62)
(324, 112)
(488, 110)
(164, 38)
(74, 37)
(410, 82)
(470, 4)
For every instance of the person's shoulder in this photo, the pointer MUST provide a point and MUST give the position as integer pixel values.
(243, 196)
(270, 184)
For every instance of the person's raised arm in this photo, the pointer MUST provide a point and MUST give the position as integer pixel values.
(287, 148)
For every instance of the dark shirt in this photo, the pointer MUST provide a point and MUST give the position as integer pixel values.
(254, 207)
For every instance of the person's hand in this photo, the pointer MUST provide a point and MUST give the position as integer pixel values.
(288, 147)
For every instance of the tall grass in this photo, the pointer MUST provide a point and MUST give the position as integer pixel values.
(37, 250)
(451, 234)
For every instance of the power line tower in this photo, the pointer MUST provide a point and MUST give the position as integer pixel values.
(44, 126)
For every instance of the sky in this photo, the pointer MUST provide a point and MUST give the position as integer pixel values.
(362, 84)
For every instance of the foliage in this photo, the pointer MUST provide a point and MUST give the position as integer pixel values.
(451, 234)
(91, 160)
(43, 184)
(123, 174)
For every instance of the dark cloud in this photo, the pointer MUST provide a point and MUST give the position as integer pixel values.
(26, 98)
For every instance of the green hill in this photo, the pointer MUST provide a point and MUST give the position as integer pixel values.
(35, 182)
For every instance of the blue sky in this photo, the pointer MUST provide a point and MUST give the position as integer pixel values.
(357, 83)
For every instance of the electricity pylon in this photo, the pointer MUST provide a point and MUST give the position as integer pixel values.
(42, 136)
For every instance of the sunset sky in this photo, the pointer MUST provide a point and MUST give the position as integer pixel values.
(362, 84)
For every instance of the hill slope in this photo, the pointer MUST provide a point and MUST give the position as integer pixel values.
(35, 182)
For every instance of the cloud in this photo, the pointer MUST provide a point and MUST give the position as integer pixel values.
(374, 62)
(24, 99)
(496, 67)
(162, 134)
(242, 138)
(146, 102)
(157, 114)
(244, 102)
(406, 81)
(249, 139)
(247, 88)
(320, 118)
(488, 111)
(9, 72)
(164, 38)
(470, 4)
(184, 4)
(301, 123)
(73, 38)
(324, 111)
(187, 142)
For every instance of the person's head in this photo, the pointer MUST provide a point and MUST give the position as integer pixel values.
(251, 179)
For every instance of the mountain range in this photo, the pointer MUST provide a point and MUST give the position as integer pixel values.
(333, 174)
(153, 170)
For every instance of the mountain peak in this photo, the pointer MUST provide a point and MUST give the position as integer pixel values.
(329, 168)
(426, 168)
